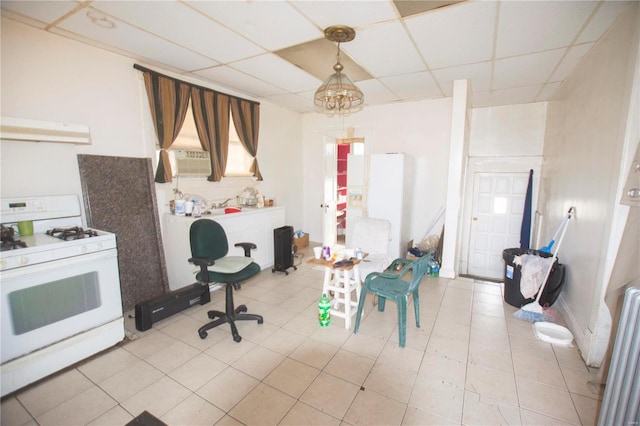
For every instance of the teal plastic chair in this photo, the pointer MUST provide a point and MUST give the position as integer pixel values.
(392, 285)
(209, 248)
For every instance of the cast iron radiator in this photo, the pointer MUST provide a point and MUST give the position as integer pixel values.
(282, 249)
(621, 401)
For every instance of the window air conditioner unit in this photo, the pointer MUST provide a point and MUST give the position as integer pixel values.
(192, 163)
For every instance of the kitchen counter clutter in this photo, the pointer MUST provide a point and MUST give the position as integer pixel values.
(254, 225)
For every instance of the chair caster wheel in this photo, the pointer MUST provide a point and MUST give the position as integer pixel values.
(260, 321)
(211, 315)
(237, 338)
(242, 308)
(202, 334)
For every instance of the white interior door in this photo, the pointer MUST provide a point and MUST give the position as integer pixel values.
(497, 208)
(330, 192)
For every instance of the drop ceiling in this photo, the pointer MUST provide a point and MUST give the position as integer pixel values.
(512, 51)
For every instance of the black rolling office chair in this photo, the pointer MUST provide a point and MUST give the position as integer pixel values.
(209, 249)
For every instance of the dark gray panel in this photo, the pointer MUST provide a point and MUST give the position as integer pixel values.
(119, 197)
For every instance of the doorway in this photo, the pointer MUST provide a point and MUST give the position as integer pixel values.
(338, 180)
(496, 217)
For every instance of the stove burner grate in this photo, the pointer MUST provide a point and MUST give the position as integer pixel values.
(12, 245)
(73, 233)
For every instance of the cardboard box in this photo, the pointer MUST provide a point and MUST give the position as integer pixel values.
(301, 242)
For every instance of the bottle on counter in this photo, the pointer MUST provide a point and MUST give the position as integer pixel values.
(324, 307)
(180, 207)
(188, 207)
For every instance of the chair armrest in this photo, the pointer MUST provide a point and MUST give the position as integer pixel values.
(385, 275)
(247, 247)
(202, 261)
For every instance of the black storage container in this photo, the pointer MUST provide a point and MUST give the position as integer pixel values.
(513, 273)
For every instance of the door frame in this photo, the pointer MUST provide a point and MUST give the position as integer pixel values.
(496, 165)
(329, 191)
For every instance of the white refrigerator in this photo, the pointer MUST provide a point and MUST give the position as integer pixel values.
(380, 186)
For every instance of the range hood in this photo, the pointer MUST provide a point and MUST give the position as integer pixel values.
(19, 129)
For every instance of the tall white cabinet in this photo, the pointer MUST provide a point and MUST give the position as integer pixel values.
(385, 183)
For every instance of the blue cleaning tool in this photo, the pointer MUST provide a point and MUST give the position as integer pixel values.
(547, 248)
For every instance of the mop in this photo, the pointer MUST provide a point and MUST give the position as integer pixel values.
(547, 248)
(534, 312)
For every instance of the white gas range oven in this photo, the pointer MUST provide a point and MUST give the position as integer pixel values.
(60, 289)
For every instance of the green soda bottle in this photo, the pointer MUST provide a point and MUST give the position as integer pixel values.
(324, 306)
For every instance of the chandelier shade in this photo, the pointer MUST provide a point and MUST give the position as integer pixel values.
(338, 94)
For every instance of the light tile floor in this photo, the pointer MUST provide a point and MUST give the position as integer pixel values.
(470, 363)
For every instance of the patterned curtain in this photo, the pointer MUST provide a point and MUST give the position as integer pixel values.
(168, 100)
(246, 118)
(211, 115)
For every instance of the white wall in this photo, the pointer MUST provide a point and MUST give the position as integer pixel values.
(586, 126)
(51, 78)
(420, 129)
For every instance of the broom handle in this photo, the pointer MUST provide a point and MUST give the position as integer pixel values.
(555, 253)
(562, 224)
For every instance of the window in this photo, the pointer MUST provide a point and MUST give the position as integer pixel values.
(187, 147)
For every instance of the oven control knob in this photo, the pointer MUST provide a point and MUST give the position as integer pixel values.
(23, 260)
(83, 249)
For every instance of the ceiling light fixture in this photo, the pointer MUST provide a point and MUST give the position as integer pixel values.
(338, 94)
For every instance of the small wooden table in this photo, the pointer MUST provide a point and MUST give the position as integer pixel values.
(342, 282)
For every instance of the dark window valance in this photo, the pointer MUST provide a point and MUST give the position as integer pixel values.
(168, 99)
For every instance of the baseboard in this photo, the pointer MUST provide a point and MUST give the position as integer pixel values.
(581, 340)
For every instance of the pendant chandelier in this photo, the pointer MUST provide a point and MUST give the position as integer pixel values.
(338, 94)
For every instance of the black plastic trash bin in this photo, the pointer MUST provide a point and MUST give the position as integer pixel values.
(513, 273)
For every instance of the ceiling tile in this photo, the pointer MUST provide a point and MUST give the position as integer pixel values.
(479, 74)
(253, 19)
(294, 102)
(229, 77)
(534, 26)
(384, 50)
(548, 90)
(275, 70)
(44, 11)
(419, 85)
(356, 14)
(606, 14)
(376, 93)
(455, 35)
(318, 57)
(412, 7)
(140, 43)
(525, 70)
(517, 95)
(184, 26)
(571, 59)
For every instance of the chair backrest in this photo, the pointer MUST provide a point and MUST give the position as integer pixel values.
(418, 269)
(370, 234)
(208, 239)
